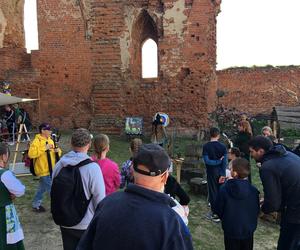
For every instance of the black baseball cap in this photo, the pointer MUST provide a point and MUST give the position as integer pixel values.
(45, 126)
(154, 158)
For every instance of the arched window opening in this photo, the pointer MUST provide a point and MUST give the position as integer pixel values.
(149, 59)
(30, 25)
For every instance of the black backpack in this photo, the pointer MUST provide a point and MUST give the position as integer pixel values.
(68, 201)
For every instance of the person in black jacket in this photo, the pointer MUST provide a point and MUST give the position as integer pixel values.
(280, 176)
(242, 140)
(141, 217)
(237, 205)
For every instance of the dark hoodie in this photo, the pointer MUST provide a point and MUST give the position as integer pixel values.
(237, 205)
(280, 176)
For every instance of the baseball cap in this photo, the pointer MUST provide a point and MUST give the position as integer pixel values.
(154, 158)
(45, 126)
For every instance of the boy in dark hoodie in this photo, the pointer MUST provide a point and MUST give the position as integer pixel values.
(237, 205)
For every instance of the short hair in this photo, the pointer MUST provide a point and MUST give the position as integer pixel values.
(260, 142)
(236, 151)
(135, 144)
(242, 167)
(214, 132)
(101, 142)
(267, 128)
(80, 138)
(4, 149)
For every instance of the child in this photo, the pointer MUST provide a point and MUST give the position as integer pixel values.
(11, 233)
(109, 168)
(126, 169)
(215, 159)
(237, 205)
(233, 153)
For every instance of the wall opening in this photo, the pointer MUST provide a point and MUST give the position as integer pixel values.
(149, 59)
(145, 56)
(30, 25)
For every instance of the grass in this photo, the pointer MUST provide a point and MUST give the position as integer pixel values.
(42, 234)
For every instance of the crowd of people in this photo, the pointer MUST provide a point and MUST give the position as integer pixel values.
(12, 116)
(152, 211)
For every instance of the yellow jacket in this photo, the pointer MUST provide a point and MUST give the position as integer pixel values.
(37, 152)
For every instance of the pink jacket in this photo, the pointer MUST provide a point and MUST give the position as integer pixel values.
(111, 174)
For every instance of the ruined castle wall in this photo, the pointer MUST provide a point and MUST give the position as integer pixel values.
(185, 87)
(257, 90)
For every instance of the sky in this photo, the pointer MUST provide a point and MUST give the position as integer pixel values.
(258, 32)
(249, 32)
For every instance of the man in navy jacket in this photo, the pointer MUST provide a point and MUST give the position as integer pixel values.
(280, 176)
(141, 218)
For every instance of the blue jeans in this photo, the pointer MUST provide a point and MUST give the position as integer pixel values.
(44, 186)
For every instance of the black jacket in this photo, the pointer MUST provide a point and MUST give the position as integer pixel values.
(136, 219)
(174, 189)
(237, 205)
(280, 176)
(242, 142)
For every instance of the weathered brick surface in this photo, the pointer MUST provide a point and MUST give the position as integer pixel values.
(257, 90)
(11, 24)
(88, 67)
(185, 33)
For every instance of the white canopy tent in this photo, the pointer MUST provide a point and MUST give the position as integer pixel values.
(17, 168)
(7, 99)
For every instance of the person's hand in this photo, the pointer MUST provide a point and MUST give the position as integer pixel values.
(49, 147)
(261, 202)
(12, 196)
(186, 210)
(222, 179)
(56, 150)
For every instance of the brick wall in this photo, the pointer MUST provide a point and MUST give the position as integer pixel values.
(88, 67)
(185, 34)
(257, 90)
(11, 24)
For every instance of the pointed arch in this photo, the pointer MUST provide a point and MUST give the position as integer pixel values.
(145, 38)
(149, 59)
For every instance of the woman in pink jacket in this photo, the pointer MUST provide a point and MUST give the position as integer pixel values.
(109, 168)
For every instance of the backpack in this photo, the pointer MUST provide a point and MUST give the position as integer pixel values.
(68, 201)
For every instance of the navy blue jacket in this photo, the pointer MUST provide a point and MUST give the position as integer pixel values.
(280, 176)
(213, 151)
(237, 205)
(136, 219)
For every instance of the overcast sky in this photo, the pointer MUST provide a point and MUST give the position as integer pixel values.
(258, 32)
(249, 32)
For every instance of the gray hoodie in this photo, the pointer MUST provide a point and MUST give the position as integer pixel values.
(92, 181)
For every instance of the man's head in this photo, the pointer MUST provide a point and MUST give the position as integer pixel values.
(45, 130)
(7, 108)
(81, 140)
(240, 168)
(266, 131)
(150, 166)
(214, 133)
(258, 146)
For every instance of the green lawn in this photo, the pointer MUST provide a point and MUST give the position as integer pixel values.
(42, 233)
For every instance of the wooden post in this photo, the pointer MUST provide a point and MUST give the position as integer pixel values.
(17, 145)
(39, 105)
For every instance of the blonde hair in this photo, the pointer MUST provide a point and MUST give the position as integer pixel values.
(246, 127)
(135, 144)
(101, 142)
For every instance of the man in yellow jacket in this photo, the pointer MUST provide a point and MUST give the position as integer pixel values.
(42, 151)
